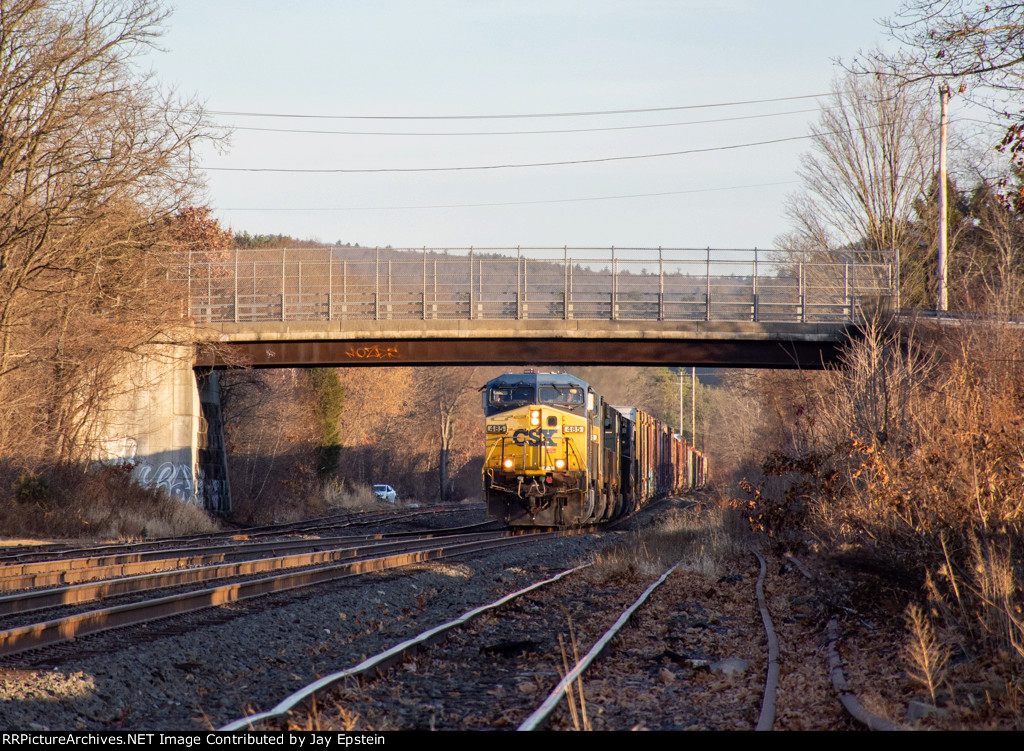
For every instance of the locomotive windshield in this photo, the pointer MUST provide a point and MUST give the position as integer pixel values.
(516, 390)
(561, 395)
(510, 396)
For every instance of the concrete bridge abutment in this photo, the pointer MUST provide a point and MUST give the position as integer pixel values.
(165, 422)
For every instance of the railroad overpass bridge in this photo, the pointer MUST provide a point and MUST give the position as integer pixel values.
(544, 306)
(333, 306)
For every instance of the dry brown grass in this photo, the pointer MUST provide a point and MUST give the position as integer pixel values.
(349, 496)
(336, 719)
(704, 538)
(103, 502)
(926, 657)
(911, 461)
(575, 695)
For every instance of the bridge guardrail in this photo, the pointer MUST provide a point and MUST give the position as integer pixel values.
(666, 284)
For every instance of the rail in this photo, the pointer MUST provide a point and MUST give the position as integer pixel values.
(659, 284)
(32, 636)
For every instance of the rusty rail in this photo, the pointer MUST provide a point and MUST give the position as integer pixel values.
(63, 629)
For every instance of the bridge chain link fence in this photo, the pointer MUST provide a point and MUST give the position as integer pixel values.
(629, 284)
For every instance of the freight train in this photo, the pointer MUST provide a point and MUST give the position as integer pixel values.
(558, 455)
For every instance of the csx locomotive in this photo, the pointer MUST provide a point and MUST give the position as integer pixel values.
(558, 455)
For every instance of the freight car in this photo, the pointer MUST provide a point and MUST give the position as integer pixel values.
(558, 455)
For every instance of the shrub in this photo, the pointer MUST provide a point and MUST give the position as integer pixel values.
(98, 501)
(912, 461)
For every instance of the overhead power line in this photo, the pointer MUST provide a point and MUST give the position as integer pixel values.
(516, 203)
(522, 164)
(519, 132)
(231, 113)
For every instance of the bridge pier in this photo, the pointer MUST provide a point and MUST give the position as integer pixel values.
(212, 458)
(165, 422)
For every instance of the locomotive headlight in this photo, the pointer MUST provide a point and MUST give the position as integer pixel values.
(535, 417)
(508, 464)
(560, 463)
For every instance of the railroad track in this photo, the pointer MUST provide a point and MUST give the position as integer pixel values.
(372, 685)
(316, 562)
(337, 521)
(69, 569)
(527, 623)
(234, 661)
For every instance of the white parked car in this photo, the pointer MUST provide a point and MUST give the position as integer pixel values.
(385, 493)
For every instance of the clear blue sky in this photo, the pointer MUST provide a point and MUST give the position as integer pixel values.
(403, 58)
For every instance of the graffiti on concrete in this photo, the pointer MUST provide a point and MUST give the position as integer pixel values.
(118, 451)
(214, 492)
(176, 479)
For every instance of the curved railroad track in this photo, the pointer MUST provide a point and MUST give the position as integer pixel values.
(373, 684)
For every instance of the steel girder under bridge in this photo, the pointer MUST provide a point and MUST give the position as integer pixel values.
(518, 343)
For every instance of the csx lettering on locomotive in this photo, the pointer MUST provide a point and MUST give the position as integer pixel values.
(535, 437)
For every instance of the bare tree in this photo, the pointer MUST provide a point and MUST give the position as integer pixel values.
(271, 440)
(444, 393)
(375, 424)
(981, 44)
(873, 156)
(990, 266)
(93, 157)
(976, 48)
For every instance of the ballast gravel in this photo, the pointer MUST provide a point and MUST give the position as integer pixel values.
(693, 659)
(201, 671)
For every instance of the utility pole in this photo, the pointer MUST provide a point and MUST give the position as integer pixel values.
(693, 405)
(680, 402)
(943, 302)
